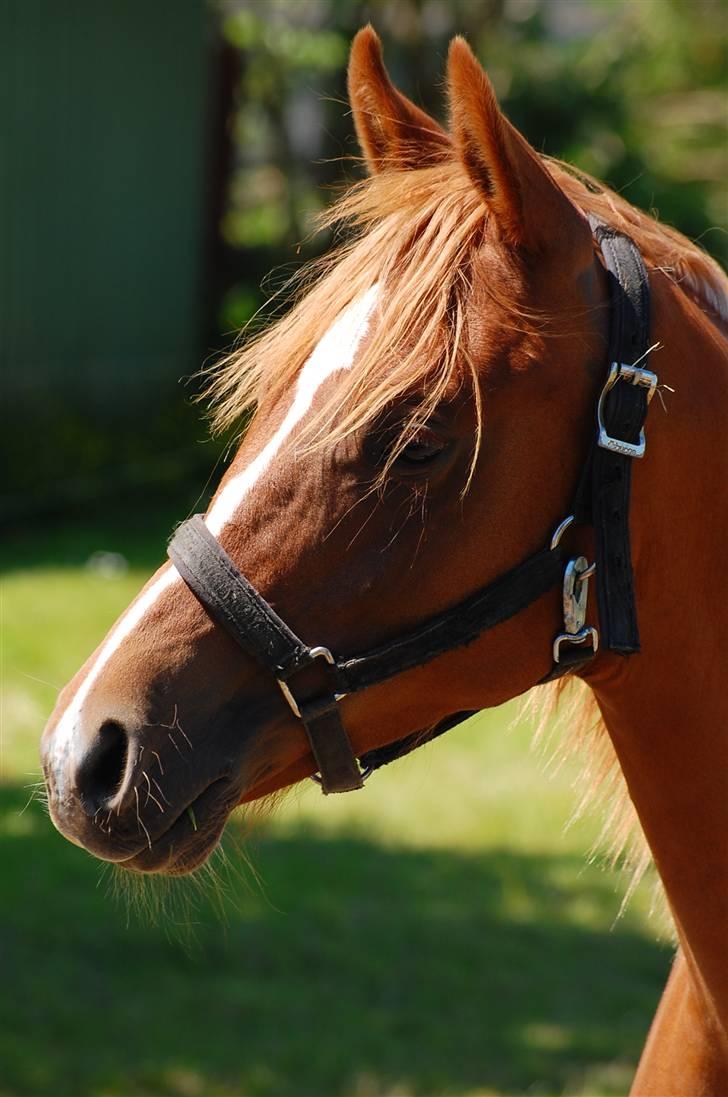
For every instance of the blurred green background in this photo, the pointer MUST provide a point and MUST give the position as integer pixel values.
(441, 933)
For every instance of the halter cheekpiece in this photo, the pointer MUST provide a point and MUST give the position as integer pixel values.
(313, 680)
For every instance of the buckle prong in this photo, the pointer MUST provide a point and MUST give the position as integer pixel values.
(580, 637)
(560, 531)
(317, 652)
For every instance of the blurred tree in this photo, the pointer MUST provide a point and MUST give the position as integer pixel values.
(633, 92)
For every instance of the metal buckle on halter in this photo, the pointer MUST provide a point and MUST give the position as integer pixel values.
(575, 593)
(644, 378)
(319, 652)
(314, 653)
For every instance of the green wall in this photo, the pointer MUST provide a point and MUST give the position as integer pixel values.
(103, 115)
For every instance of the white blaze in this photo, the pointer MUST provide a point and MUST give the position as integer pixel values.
(335, 351)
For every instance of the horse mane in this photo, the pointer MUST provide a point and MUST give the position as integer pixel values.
(418, 232)
(663, 247)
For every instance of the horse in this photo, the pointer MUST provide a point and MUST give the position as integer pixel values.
(451, 437)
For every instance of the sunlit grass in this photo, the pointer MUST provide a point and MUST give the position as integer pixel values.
(438, 933)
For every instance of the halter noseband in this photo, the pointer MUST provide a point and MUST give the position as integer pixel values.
(313, 680)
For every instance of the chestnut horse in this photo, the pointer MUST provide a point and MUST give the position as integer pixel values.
(423, 418)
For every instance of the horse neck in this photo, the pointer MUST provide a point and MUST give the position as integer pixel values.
(666, 709)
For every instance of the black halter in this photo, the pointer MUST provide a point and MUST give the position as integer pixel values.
(313, 680)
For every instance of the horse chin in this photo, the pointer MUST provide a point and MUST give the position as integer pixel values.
(191, 839)
(196, 833)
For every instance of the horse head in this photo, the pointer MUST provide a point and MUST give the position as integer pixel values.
(420, 418)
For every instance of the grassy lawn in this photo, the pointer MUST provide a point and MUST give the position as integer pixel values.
(438, 934)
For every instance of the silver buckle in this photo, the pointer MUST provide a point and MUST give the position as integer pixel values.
(580, 637)
(318, 652)
(575, 594)
(618, 371)
(314, 653)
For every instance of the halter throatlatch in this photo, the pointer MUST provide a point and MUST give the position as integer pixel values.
(313, 680)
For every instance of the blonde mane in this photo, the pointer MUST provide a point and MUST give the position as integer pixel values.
(418, 232)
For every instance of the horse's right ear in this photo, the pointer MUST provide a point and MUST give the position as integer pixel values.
(392, 131)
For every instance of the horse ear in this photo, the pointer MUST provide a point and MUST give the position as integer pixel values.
(530, 209)
(392, 131)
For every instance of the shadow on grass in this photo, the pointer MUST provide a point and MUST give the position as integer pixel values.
(368, 970)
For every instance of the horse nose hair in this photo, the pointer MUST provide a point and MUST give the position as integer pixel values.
(100, 774)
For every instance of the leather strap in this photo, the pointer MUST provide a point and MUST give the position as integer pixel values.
(624, 414)
(330, 746)
(459, 625)
(382, 756)
(231, 600)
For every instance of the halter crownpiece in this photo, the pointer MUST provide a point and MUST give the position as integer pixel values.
(313, 680)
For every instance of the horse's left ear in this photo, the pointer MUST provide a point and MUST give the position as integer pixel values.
(393, 132)
(530, 209)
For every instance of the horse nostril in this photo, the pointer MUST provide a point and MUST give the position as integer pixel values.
(101, 772)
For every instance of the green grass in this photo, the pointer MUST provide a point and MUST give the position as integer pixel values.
(437, 934)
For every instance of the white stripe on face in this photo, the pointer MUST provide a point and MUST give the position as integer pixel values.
(335, 351)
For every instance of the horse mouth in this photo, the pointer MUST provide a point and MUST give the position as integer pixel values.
(192, 837)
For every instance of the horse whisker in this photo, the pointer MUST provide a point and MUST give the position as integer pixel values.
(41, 681)
(182, 732)
(150, 794)
(173, 724)
(139, 818)
(174, 744)
(159, 788)
(154, 800)
(35, 794)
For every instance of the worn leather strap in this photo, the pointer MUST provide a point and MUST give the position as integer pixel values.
(231, 600)
(330, 746)
(382, 756)
(624, 413)
(228, 597)
(457, 626)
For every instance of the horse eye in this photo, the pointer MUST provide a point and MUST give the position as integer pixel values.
(423, 447)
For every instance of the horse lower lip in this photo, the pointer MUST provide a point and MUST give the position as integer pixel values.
(189, 840)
